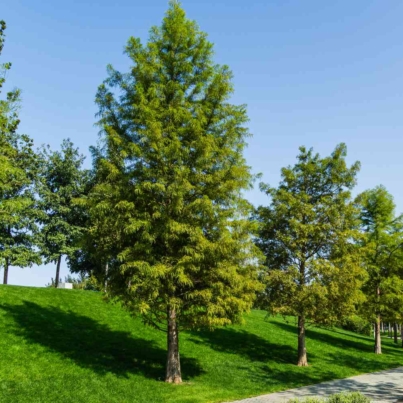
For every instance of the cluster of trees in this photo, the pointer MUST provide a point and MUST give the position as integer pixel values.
(161, 223)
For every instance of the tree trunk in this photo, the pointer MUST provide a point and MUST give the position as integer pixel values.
(378, 347)
(173, 371)
(401, 334)
(5, 278)
(59, 259)
(395, 332)
(106, 277)
(302, 357)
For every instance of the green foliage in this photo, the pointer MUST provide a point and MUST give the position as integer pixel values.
(68, 345)
(354, 397)
(308, 234)
(18, 172)
(357, 323)
(83, 282)
(62, 181)
(167, 210)
(383, 245)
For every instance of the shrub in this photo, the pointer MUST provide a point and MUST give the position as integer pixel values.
(353, 397)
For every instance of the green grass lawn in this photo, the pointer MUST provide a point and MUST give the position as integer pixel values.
(70, 346)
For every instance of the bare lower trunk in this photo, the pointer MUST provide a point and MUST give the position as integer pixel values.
(378, 347)
(302, 357)
(395, 332)
(5, 277)
(59, 259)
(173, 371)
(401, 333)
(106, 277)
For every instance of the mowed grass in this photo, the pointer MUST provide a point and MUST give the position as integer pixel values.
(70, 346)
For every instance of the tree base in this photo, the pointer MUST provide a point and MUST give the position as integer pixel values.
(303, 359)
(175, 380)
(302, 363)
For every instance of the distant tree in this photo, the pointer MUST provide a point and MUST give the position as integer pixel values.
(18, 172)
(168, 211)
(308, 233)
(62, 180)
(383, 245)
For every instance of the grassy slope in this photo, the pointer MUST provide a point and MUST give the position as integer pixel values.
(70, 346)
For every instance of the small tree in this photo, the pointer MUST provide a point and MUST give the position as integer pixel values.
(383, 245)
(167, 210)
(18, 172)
(62, 180)
(308, 235)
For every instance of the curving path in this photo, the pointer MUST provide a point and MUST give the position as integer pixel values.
(380, 387)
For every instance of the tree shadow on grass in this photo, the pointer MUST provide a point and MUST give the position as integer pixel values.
(91, 344)
(345, 357)
(249, 345)
(276, 363)
(350, 334)
(335, 341)
(257, 349)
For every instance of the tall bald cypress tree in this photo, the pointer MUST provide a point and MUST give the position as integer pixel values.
(168, 211)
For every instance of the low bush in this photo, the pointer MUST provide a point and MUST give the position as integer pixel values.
(353, 397)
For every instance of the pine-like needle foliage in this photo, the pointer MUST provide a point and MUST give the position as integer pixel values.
(308, 234)
(168, 211)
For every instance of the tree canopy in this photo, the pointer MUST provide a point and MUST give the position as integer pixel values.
(383, 246)
(62, 181)
(308, 235)
(18, 173)
(168, 207)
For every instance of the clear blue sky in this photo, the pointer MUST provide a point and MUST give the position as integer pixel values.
(313, 73)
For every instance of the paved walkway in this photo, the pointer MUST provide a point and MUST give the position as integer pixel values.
(380, 387)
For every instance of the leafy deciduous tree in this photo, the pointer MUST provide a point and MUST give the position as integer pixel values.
(18, 172)
(62, 180)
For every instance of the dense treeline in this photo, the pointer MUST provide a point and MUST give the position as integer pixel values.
(160, 222)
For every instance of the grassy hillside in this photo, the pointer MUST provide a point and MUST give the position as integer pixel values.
(70, 346)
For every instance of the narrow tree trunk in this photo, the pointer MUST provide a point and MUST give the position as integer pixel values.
(173, 371)
(302, 357)
(401, 334)
(378, 347)
(59, 259)
(395, 332)
(106, 276)
(5, 277)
